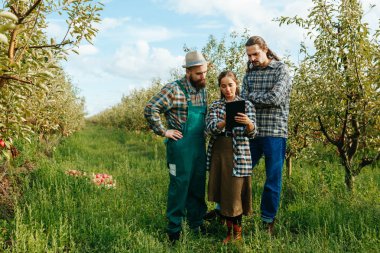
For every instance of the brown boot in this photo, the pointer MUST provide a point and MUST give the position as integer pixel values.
(229, 232)
(237, 232)
(269, 227)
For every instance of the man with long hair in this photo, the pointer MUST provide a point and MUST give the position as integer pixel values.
(267, 84)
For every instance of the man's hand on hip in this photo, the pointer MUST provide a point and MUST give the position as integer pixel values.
(173, 134)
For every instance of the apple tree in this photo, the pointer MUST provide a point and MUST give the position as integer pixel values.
(339, 82)
(30, 74)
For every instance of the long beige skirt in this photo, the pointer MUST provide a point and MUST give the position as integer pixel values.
(234, 194)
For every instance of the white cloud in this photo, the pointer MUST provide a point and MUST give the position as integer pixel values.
(132, 66)
(211, 25)
(140, 61)
(126, 30)
(106, 1)
(151, 33)
(214, 7)
(255, 15)
(56, 29)
(111, 23)
(87, 50)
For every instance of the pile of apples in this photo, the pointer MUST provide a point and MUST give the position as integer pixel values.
(105, 180)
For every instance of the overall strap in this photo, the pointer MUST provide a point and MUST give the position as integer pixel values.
(188, 99)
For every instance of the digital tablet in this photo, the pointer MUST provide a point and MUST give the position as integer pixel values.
(232, 109)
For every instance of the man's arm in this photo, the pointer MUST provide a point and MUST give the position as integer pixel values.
(245, 89)
(276, 96)
(158, 104)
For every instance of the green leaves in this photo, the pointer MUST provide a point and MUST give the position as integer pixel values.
(6, 16)
(336, 80)
(35, 94)
(9, 15)
(3, 39)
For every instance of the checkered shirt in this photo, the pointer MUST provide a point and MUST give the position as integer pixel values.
(242, 155)
(172, 102)
(269, 90)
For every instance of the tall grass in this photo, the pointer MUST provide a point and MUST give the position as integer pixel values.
(59, 213)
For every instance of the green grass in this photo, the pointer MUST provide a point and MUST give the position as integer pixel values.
(59, 213)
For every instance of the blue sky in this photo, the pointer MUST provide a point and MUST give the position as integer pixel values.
(140, 40)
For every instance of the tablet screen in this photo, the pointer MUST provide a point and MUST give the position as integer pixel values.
(232, 109)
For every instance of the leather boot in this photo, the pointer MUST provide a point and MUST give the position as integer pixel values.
(237, 232)
(229, 232)
(269, 227)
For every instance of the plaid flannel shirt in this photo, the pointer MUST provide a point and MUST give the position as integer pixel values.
(269, 90)
(172, 102)
(242, 155)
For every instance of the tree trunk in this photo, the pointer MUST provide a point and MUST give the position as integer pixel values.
(349, 180)
(288, 166)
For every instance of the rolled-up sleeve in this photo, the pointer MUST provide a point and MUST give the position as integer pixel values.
(213, 118)
(251, 113)
(160, 103)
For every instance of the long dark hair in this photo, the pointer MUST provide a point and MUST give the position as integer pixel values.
(229, 73)
(257, 40)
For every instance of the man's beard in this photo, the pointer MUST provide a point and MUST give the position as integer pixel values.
(256, 63)
(198, 84)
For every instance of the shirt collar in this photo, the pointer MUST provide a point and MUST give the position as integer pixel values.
(237, 98)
(272, 64)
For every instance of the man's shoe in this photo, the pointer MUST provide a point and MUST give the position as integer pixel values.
(174, 237)
(269, 227)
(212, 215)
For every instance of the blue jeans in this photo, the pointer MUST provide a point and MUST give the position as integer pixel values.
(273, 149)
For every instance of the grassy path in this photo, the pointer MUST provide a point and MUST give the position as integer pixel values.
(60, 213)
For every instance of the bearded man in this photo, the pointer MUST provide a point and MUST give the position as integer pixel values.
(184, 103)
(267, 84)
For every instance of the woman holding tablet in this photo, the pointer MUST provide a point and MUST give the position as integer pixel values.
(229, 158)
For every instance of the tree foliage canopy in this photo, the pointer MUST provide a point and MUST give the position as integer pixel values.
(35, 93)
(337, 84)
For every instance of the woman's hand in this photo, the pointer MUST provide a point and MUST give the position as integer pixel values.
(173, 134)
(243, 119)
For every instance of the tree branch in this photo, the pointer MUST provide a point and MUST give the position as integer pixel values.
(27, 13)
(344, 128)
(368, 161)
(365, 162)
(12, 7)
(329, 20)
(28, 36)
(323, 129)
(353, 147)
(67, 32)
(5, 77)
(12, 45)
(51, 46)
